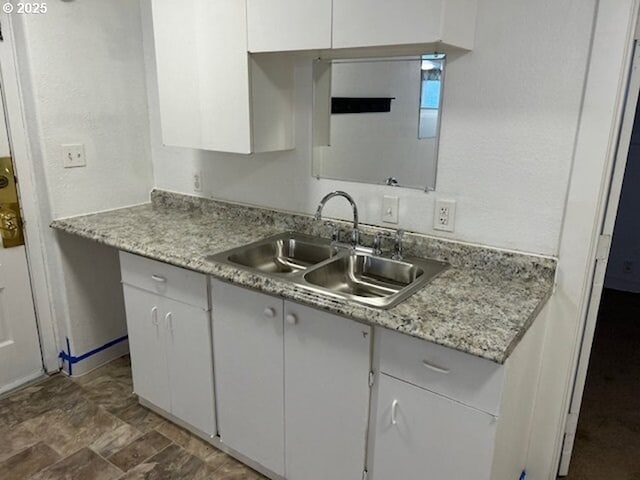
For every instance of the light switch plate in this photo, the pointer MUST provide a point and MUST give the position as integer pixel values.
(73, 155)
(390, 207)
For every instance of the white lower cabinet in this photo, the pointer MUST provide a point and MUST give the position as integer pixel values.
(249, 363)
(170, 341)
(327, 365)
(420, 435)
(292, 383)
(147, 340)
(190, 366)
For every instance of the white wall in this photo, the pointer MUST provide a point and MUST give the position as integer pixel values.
(82, 73)
(510, 114)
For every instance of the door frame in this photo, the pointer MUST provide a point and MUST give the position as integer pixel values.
(611, 203)
(30, 196)
(596, 144)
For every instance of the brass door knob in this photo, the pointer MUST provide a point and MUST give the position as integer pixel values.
(9, 226)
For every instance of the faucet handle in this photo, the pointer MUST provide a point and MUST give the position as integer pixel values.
(335, 232)
(377, 242)
(398, 247)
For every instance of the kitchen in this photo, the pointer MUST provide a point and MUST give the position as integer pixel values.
(531, 98)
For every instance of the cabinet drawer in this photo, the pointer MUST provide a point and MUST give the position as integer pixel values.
(166, 280)
(470, 380)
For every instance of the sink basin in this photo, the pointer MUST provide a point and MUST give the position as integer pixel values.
(283, 254)
(372, 280)
(315, 264)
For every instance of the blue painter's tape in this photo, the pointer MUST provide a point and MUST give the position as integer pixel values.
(68, 357)
(71, 360)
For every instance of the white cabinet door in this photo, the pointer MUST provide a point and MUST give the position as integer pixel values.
(282, 25)
(203, 74)
(327, 364)
(368, 23)
(147, 346)
(364, 23)
(248, 358)
(420, 435)
(190, 364)
(212, 95)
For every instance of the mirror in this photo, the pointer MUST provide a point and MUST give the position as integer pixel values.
(377, 120)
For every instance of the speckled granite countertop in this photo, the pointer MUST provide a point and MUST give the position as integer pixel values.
(482, 305)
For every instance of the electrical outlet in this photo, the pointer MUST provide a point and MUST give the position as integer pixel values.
(445, 215)
(73, 155)
(197, 181)
(390, 207)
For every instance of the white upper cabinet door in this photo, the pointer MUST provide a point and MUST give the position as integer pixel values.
(203, 73)
(147, 346)
(421, 435)
(212, 95)
(248, 357)
(283, 25)
(327, 365)
(190, 364)
(371, 23)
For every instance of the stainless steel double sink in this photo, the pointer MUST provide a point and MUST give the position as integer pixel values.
(317, 265)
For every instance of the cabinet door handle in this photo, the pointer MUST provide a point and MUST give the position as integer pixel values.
(269, 312)
(435, 368)
(159, 278)
(169, 321)
(291, 319)
(394, 411)
(154, 315)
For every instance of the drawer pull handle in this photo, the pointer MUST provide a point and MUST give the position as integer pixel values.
(159, 278)
(169, 320)
(435, 368)
(394, 411)
(154, 316)
(269, 312)
(291, 319)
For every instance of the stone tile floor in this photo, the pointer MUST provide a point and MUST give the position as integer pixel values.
(92, 428)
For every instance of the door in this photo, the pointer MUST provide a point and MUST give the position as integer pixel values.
(602, 257)
(145, 325)
(420, 435)
(190, 364)
(327, 365)
(248, 350)
(20, 357)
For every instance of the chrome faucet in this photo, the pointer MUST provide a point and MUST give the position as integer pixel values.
(355, 234)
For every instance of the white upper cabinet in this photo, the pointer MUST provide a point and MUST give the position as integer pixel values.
(377, 23)
(213, 95)
(284, 25)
